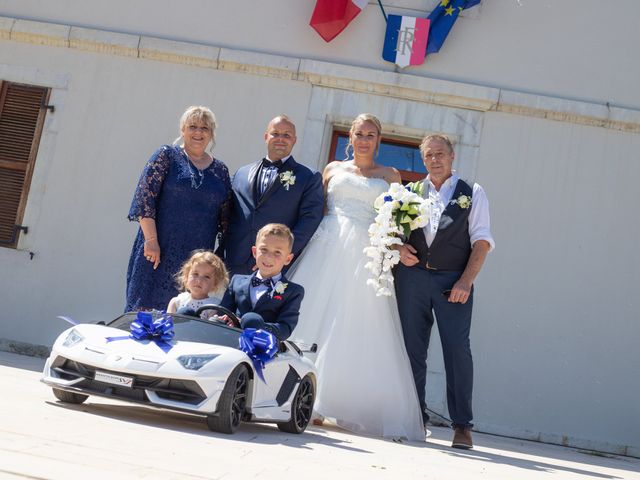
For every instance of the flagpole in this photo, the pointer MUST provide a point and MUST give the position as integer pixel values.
(384, 14)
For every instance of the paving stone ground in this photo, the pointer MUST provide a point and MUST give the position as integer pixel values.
(41, 438)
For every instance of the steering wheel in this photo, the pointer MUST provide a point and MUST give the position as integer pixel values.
(220, 309)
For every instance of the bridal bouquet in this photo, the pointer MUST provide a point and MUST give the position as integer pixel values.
(400, 210)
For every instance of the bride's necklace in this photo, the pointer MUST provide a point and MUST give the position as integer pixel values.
(195, 183)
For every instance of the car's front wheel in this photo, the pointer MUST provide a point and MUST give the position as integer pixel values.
(69, 397)
(232, 403)
(301, 407)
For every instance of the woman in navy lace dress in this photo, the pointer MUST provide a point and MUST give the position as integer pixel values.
(181, 201)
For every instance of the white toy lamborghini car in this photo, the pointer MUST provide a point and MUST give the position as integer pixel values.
(201, 370)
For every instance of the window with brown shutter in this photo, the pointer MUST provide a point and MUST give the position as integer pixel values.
(22, 115)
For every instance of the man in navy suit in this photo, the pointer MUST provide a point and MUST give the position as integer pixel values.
(275, 189)
(438, 266)
(265, 299)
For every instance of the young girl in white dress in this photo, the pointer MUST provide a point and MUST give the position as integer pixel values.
(202, 278)
(364, 379)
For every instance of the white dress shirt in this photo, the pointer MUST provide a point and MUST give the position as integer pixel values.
(268, 174)
(257, 292)
(479, 222)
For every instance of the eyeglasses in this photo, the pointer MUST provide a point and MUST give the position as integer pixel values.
(195, 128)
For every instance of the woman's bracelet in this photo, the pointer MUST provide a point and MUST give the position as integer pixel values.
(152, 238)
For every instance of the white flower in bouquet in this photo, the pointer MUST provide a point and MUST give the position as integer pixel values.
(400, 210)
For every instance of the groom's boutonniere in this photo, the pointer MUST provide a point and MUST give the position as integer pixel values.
(280, 287)
(463, 201)
(287, 179)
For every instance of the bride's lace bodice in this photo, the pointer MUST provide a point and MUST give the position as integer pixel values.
(351, 195)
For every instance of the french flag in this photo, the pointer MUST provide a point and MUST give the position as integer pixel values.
(330, 17)
(405, 42)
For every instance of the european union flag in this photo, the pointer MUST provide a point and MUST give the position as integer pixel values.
(442, 19)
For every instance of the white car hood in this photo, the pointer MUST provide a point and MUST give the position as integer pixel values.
(96, 338)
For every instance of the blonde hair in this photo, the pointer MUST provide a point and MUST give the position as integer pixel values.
(363, 117)
(199, 114)
(220, 274)
(435, 136)
(277, 230)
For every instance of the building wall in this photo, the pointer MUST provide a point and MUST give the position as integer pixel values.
(579, 49)
(555, 324)
(554, 314)
(94, 146)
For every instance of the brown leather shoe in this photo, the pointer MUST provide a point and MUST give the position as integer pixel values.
(462, 438)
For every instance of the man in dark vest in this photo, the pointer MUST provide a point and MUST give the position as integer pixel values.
(438, 265)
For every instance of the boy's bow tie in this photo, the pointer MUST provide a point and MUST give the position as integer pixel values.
(255, 282)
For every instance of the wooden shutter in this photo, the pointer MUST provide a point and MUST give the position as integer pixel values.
(21, 120)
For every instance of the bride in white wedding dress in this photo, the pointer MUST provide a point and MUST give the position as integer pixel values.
(364, 379)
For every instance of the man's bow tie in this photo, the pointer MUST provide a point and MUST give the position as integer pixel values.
(267, 163)
(255, 282)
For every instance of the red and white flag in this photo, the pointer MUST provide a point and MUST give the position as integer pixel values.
(330, 17)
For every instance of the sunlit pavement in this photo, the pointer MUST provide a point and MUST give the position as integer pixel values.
(41, 438)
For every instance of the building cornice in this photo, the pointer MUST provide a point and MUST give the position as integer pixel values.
(324, 74)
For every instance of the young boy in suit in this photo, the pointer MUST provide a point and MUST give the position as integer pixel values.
(266, 299)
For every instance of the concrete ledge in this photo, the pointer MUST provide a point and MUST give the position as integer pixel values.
(104, 42)
(40, 33)
(342, 77)
(274, 66)
(6, 24)
(178, 52)
(569, 111)
(22, 348)
(407, 87)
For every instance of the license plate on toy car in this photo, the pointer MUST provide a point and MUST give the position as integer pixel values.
(119, 380)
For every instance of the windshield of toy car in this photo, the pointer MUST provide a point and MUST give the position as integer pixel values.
(191, 329)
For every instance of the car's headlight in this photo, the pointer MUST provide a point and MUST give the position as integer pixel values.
(195, 362)
(73, 338)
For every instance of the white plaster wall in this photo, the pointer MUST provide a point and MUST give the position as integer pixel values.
(111, 114)
(554, 322)
(583, 49)
(555, 327)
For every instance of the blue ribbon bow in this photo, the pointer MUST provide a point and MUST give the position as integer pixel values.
(145, 327)
(260, 345)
